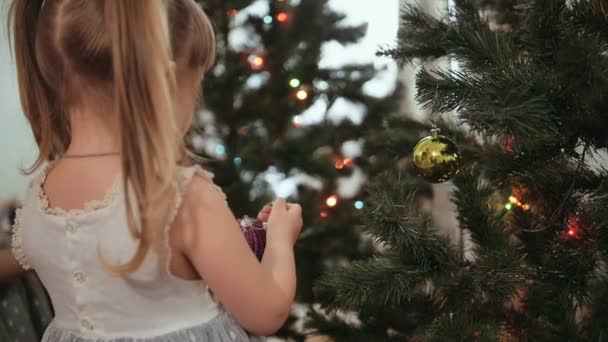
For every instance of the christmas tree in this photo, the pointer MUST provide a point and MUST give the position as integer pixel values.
(256, 125)
(525, 84)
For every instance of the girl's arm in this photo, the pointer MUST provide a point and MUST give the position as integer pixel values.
(258, 295)
(9, 267)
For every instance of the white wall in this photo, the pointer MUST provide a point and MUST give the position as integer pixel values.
(17, 147)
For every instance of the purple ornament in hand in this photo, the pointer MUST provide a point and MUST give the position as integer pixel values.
(255, 234)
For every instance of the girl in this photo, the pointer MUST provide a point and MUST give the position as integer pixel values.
(130, 244)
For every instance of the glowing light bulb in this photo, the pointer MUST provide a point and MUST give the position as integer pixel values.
(282, 17)
(359, 205)
(332, 201)
(324, 214)
(513, 200)
(571, 232)
(339, 164)
(268, 19)
(256, 62)
(234, 11)
(509, 206)
(302, 95)
(297, 121)
(238, 161)
(220, 149)
(294, 83)
(348, 162)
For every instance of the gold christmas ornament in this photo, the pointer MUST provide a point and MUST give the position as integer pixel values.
(436, 158)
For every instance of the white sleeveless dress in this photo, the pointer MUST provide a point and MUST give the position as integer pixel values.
(150, 305)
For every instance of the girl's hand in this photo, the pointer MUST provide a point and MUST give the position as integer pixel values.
(264, 214)
(284, 223)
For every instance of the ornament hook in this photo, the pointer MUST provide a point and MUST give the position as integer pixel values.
(435, 132)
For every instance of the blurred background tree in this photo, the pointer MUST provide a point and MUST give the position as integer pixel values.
(272, 114)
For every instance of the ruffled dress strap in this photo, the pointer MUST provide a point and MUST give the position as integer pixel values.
(190, 172)
(184, 178)
(17, 229)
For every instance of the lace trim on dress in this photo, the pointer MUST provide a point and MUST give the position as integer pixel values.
(17, 241)
(209, 177)
(88, 207)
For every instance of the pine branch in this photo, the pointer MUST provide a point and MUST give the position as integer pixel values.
(381, 281)
(397, 222)
(420, 36)
(599, 210)
(459, 327)
(498, 274)
(479, 49)
(589, 16)
(500, 104)
(342, 331)
(470, 198)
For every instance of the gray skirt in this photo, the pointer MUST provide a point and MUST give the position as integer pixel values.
(221, 329)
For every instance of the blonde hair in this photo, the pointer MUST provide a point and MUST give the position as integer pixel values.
(71, 51)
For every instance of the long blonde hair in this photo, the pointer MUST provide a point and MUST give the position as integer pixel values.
(70, 51)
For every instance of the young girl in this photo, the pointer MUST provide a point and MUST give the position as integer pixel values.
(131, 244)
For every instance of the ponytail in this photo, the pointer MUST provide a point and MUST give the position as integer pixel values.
(49, 125)
(143, 83)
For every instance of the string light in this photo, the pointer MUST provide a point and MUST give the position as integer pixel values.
(508, 206)
(294, 83)
(259, 61)
(324, 214)
(339, 164)
(282, 17)
(268, 19)
(233, 11)
(514, 201)
(332, 201)
(220, 149)
(302, 94)
(238, 161)
(297, 121)
(359, 205)
(509, 144)
(256, 62)
(242, 130)
(575, 228)
(343, 163)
